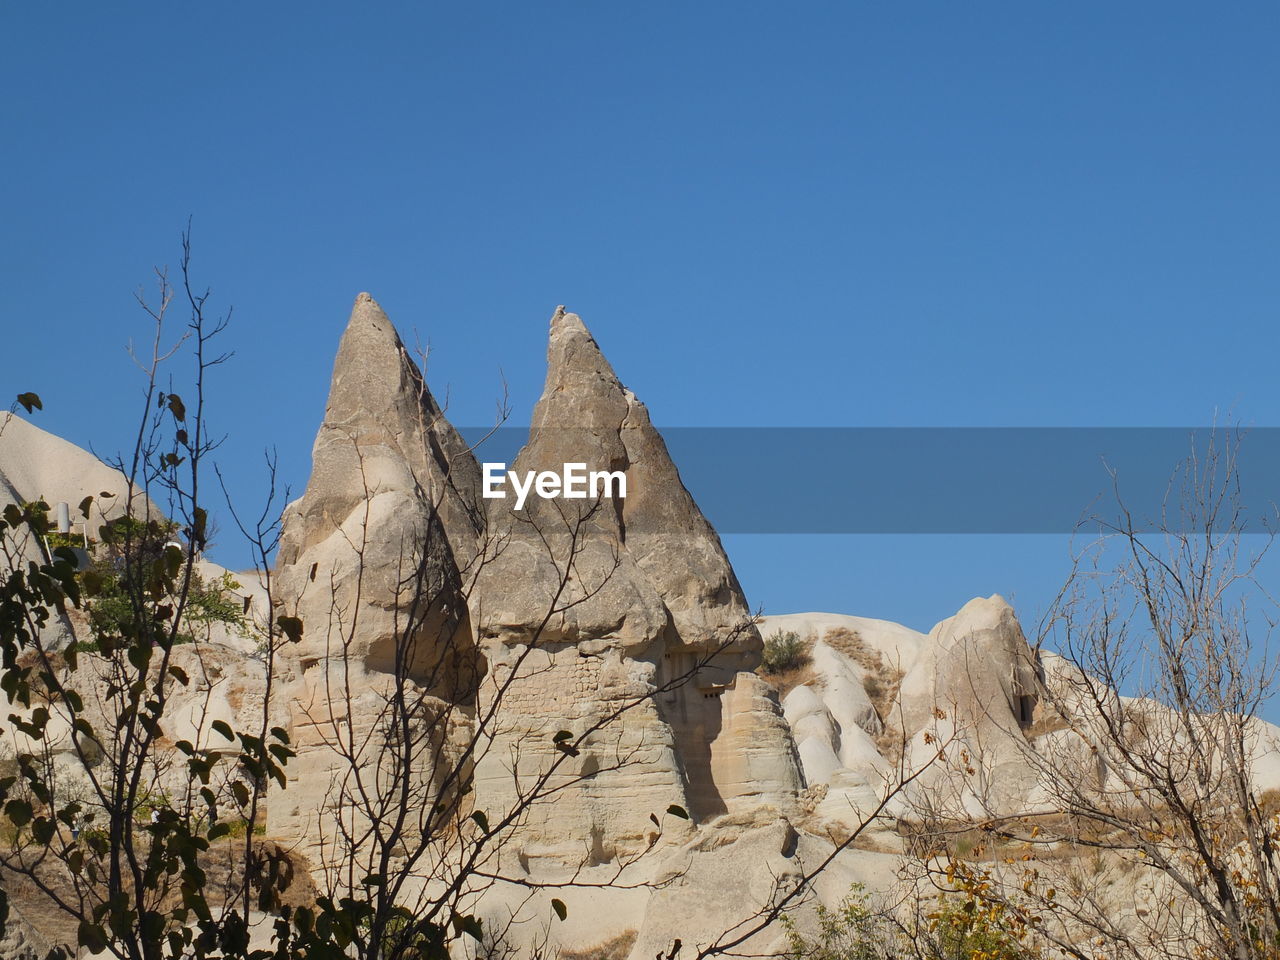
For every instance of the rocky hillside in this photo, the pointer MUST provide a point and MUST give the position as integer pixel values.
(608, 641)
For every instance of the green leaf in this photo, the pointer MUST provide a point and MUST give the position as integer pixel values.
(558, 906)
(224, 728)
(67, 555)
(565, 747)
(678, 811)
(92, 937)
(468, 925)
(481, 820)
(199, 526)
(562, 736)
(42, 829)
(18, 811)
(92, 582)
(30, 401)
(281, 752)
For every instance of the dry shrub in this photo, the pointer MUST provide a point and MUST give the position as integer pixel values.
(785, 662)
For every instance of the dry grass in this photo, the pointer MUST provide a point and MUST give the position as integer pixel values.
(1058, 837)
(788, 680)
(616, 948)
(1269, 802)
(1044, 722)
(881, 680)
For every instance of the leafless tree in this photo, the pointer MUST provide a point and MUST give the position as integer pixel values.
(1155, 829)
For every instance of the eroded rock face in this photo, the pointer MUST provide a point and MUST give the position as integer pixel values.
(976, 684)
(21, 941)
(650, 595)
(379, 544)
(579, 419)
(36, 464)
(590, 614)
(373, 561)
(978, 665)
(971, 685)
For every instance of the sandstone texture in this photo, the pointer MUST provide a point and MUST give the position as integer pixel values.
(635, 587)
(373, 561)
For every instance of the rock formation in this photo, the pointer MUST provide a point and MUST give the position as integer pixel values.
(583, 609)
(972, 681)
(978, 681)
(491, 634)
(36, 465)
(649, 601)
(372, 561)
(364, 554)
(21, 941)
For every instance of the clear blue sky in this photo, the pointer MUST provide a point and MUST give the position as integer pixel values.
(769, 214)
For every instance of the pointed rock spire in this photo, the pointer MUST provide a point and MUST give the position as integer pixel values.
(577, 420)
(587, 415)
(656, 536)
(644, 590)
(372, 561)
(382, 430)
(390, 510)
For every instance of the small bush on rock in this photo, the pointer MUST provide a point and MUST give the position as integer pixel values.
(783, 650)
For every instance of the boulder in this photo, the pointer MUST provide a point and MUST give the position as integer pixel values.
(977, 667)
(975, 686)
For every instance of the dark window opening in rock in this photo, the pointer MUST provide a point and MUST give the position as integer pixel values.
(1026, 709)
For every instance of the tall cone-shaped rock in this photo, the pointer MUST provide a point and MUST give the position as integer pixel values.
(389, 519)
(373, 560)
(648, 597)
(578, 420)
(650, 556)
